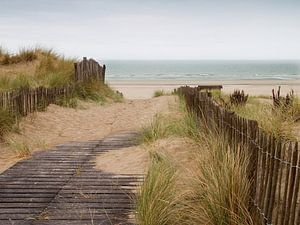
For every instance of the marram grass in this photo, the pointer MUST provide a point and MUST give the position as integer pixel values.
(6, 122)
(218, 187)
(216, 191)
(156, 201)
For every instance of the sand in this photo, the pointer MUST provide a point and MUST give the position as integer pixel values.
(145, 89)
(43, 130)
(136, 160)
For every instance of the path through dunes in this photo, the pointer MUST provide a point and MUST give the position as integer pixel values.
(91, 121)
(61, 187)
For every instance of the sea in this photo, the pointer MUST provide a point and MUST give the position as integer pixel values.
(201, 70)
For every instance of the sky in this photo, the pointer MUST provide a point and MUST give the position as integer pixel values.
(157, 29)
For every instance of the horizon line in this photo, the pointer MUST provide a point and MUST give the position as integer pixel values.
(198, 59)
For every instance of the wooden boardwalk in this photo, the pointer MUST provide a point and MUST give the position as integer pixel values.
(61, 187)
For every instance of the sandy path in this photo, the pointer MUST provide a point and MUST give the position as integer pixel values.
(135, 160)
(57, 125)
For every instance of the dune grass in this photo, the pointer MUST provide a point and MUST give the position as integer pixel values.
(159, 93)
(96, 90)
(24, 55)
(34, 67)
(21, 148)
(274, 120)
(216, 190)
(218, 187)
(156, 202)
(44, 67)
(164, 126)
(6, 122)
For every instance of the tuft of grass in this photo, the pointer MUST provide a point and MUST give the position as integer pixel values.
(67, 102)
(6, 122)
(158, 129)
(156, 200)
(159, 93)
(162, 126)
(24, 55)
(22, 148)
(218, 187)
(96, 90)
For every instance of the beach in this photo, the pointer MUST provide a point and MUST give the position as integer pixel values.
(142, 89)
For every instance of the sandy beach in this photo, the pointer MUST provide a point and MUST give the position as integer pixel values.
(141, 89)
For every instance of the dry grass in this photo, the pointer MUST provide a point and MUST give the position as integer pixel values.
(37, 67)
(6, 122)
(216, 190)
(218, 186)
(156, 202)
(22, 148)
(181, 124)
(277, 121)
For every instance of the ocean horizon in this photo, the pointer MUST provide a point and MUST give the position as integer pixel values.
(202, 69)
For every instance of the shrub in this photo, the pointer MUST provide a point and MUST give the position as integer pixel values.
(238, 98)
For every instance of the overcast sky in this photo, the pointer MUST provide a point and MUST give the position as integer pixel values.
(159, 29)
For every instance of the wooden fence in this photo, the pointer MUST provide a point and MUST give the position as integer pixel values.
(27, 100)
(274, 165)
(87, 69)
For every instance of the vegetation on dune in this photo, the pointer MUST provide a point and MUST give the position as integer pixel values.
(22, 148)
(156, 203)
(159, 93)
(47, 68)
(96, 90)
(216, 190)
(275, 120)
(33, 68)
(6, 122)
(164, 126)
(24, 55)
